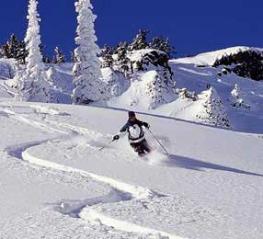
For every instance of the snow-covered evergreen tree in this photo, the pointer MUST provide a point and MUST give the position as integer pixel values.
(51, 74)
(14, 48)
(89, 86)
(186, 94)
(32, 84)
(162, 44)
(106, 55)
(212, 110)
(73, 57)
(158, 90)
(122, 62)
(236, 92)
(237, 98)
(2, 52)
(59, 57)
(52, 77)
(140, 41)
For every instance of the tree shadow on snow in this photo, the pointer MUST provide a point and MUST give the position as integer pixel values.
(198, 165)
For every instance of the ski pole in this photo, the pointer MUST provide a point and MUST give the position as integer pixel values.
(158, 141)
(102, 148)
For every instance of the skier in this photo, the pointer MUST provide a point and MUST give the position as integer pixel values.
(134, 128)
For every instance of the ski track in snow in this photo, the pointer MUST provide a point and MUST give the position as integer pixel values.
(83, 209)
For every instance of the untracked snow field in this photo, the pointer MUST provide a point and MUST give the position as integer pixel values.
(55, 182)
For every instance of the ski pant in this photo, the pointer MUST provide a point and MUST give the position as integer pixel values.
(141, 148)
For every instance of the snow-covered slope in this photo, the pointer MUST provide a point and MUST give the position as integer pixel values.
(209, 58)
(56, 183)
(147, 91)
(195, 79)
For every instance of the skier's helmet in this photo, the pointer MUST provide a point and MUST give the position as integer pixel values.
(131, 114)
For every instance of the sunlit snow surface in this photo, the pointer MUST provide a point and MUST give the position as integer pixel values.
(55, 182)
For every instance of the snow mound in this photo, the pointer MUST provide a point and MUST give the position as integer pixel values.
(115, 81)
(47, 110)
(7, 68)
(147, 91)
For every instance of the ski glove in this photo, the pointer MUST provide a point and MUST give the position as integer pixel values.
(116, 137)
(147, 125)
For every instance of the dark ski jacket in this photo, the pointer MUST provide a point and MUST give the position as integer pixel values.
(129, 124)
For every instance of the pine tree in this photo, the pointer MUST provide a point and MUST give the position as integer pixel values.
(122, 62)
(162, 44)
(247, 64)
(46, 60)
(32, 84)
(237, 98)
(89, 86)
(73, 57)
(59, 57)
(158, 89)
(11, 47)
(213, 111)
(2, 53)
(22, 53)
(54, 79)
(106, 54)
(14, 48)
(236, 92)
(140, 41)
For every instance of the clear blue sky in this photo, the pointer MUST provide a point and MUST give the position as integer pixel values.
(192, 25)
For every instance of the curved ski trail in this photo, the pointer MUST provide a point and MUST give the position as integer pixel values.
(121, 191)
(126, 192)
